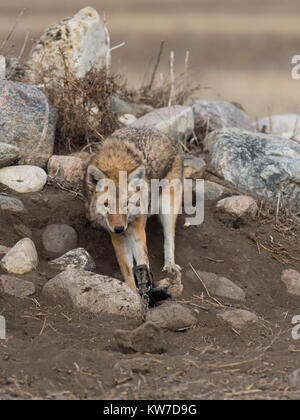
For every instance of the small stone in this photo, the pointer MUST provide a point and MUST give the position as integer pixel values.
(217, 285)
(177, 121)
(194, 167)
(23, 178)
(21, 258)
(238, 318)
(172, 316)
(93, 292)
(58, 239)
(238, 206)
(147, 338)
(67, 170)
(76, 258)
(214, 191)
(8, 154)
(10, 204)
(16, 287)
(291, 278)
(294, 379)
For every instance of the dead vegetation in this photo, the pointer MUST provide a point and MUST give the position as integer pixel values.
(167, 90)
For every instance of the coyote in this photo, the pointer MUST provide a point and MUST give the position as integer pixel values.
(143, 154)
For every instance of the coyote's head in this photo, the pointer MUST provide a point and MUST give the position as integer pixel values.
(115, 200)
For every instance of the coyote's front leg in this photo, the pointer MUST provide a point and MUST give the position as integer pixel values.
(131, 246)
(125, 257)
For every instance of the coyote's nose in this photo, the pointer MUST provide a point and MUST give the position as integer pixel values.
(119, 229)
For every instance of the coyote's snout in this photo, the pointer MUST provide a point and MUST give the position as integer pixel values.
(118, 193)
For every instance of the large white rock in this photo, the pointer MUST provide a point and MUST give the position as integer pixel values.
(93, 292)
(21, 258)
(176, 121)
(82, 39)
(23, 178)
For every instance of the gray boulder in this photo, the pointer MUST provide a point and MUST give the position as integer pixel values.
(177, 121)
(27, 121)
(8, 154)
(213, 115)
(260, 163)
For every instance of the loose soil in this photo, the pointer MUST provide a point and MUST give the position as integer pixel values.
(62, 353)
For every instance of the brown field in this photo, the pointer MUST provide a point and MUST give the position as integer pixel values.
(239, 50)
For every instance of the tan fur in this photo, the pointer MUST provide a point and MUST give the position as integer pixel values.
(127, 150)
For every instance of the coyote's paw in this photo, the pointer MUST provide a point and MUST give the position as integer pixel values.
(171, 268)
(173, 284)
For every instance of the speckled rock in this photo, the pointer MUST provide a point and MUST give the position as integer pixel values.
(83, 40)
(76, 258)
(8, 154)
(213, 115)
(93, 292)
(28, 122)
(23, 178)
(256, 162)
(177, 121)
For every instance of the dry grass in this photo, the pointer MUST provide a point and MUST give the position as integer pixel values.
(84, 110)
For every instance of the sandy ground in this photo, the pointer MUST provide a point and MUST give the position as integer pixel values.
(239, 50)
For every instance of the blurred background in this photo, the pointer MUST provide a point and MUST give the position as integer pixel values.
(240, 50)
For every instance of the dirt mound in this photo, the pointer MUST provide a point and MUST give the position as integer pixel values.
(56, 352)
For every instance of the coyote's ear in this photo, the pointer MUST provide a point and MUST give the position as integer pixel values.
(137, 174)
(94, 175)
